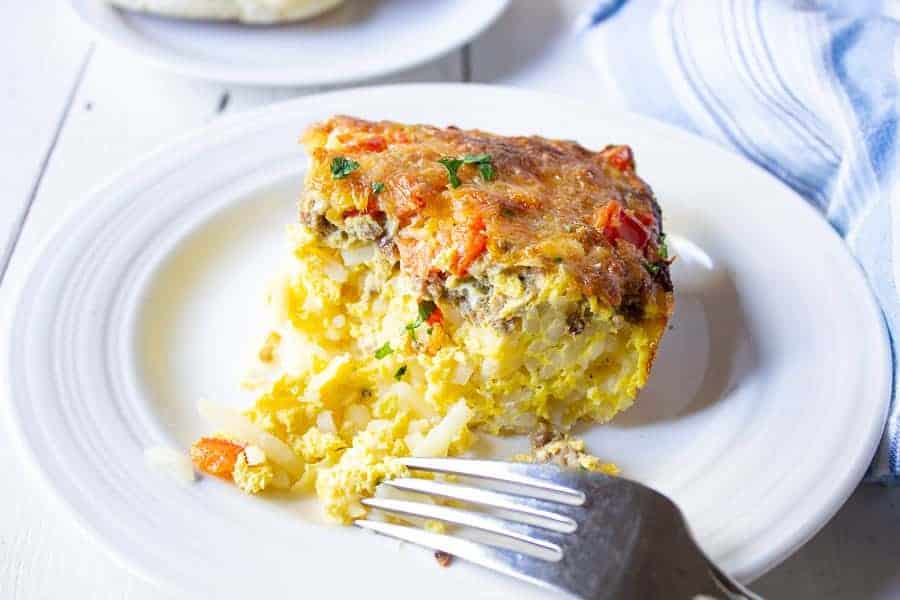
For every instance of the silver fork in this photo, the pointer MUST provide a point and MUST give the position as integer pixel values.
(587, 534)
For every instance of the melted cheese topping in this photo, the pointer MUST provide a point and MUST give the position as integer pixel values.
(547, 204)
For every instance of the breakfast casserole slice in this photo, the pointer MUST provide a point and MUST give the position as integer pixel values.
(444, 282)
(545, 262)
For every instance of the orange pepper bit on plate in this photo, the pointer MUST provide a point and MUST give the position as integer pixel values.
(215, 456)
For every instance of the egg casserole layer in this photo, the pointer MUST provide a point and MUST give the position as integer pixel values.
(444, 283)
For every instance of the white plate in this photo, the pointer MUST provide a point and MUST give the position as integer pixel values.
(763, 411)
(359, 40)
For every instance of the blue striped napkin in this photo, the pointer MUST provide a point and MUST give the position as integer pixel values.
(806, 89)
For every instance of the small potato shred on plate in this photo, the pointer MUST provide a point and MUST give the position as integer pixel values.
(442, 284)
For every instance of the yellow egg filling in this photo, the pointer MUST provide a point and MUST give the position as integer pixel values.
(354, 376)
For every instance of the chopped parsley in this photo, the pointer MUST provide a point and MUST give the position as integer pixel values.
(663, 249)
(452, 165)
(652, 268)
(557, 259)
(377, 187)
(383, 351)
(426, 308)
(400, 373)
(485, 165)
(487, 171)
(484, 162)
(342, 166)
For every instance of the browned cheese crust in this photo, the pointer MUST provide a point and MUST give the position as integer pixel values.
(540, 203)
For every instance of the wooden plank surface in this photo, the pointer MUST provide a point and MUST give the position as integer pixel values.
(74, 115)
(43, 55)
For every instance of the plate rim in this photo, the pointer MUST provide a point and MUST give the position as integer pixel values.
(24, 272)
(289, 76)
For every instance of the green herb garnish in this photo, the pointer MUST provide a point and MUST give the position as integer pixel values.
(383, 351)
(377, 187)
(482, 161)
(663, 249)
(452, 165)
(400, 373)
(652, 268)
(485, 165)
(426, 307)
(557, 259)
(342, 166)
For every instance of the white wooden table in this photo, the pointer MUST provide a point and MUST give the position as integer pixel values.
(74, 111)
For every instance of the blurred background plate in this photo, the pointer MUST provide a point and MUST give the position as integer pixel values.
(358, 40)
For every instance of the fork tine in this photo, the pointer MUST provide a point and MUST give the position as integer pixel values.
(497, 471)
(473, 495)
(516, 531)
(508, 562)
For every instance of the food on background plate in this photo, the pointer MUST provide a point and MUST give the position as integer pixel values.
(444, 284)
(246, 11)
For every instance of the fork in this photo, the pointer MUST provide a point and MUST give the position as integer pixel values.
(592, 535)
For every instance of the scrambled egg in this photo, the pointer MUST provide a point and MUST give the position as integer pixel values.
(354, 379)
(252, 478)
(551, 446)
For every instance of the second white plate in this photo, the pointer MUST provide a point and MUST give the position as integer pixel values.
(359, 40)
(763, 411)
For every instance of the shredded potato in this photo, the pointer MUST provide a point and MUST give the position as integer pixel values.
(438, 440)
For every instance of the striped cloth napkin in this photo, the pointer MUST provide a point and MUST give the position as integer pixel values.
(806, 89)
